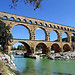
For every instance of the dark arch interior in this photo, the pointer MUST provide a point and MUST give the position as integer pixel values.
(66, 48)
(56, 48)
(5, 17)
(12, 19)
(22, 46)
(73, 37)
(43, 48)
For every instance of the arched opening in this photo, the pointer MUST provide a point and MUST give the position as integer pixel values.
(61, 28)
(21, 47)
(50, 25)
(56, 48)
(35, 22)
(68, 29)
(73, 41)
(18, 20)
(45, 24)
(40, 34)
(54, 36)
(73, 37)
(30, 21)
(58, 27)
(24, 20)
(12, 19)
(5, 17)
(20, 32)
(41, 48)
(64, 28)
(54, 26)
(65, 37)
(40, 24)
(66, 48)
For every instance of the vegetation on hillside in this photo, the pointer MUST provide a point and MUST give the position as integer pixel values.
(5, 35)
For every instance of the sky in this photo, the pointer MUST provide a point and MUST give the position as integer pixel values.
(57, 11)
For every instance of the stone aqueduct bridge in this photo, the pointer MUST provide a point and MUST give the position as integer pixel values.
(32, 24)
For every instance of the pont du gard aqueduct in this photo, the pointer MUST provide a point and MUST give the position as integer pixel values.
(32, 24)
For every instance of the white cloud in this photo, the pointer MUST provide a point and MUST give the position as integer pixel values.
(42, 36)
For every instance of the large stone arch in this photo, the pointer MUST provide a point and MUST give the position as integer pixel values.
(68, 37)
(44, 32)
(66, 48)
(56, 48)
(73, 37)
(24, 26)
(45, 50)
(58, 36)
(27, 45)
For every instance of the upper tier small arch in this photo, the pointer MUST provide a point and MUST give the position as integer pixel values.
(5, 17)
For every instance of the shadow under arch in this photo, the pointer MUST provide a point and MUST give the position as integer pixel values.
(23, 26)
(58, 36)
(44, 32)
(27, 46)
(66, 39)
(66, 48)
(44, 48)
(56, 48)
(73, 37)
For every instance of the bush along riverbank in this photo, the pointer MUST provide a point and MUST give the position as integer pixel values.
(7, 67)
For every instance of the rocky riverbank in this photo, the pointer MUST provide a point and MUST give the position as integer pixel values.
(7, 67)
(70, 55)
(18, 52)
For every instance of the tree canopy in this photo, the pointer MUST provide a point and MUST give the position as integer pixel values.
(35, 3)
(5, 34)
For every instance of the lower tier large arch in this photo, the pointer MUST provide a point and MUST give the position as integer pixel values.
(44, 48)
(66, 48)
(56, 48)
(27, 46)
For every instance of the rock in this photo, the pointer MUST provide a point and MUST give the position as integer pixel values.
(12, 57)
(17, 73)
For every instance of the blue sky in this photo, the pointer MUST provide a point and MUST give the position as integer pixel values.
(57, 11)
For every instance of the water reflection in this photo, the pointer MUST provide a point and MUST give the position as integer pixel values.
(30, 66)
(56, 73)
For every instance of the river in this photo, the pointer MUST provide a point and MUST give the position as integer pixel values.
(29, 66)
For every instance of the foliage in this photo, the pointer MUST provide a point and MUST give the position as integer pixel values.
(35, 3)
(5, 34)
(10, 69)
(20, 47)
(2, 51)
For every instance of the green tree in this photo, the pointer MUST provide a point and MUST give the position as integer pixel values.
(5, 35)
(35, 3)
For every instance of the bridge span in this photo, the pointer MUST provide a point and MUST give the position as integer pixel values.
(32, 24)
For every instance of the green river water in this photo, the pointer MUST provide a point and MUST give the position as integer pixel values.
(29, 66)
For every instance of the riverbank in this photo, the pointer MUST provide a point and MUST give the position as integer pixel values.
(7, 66)
(70, 55)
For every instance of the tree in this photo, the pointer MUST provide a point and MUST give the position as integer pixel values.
(5, 35)
(35, 3)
